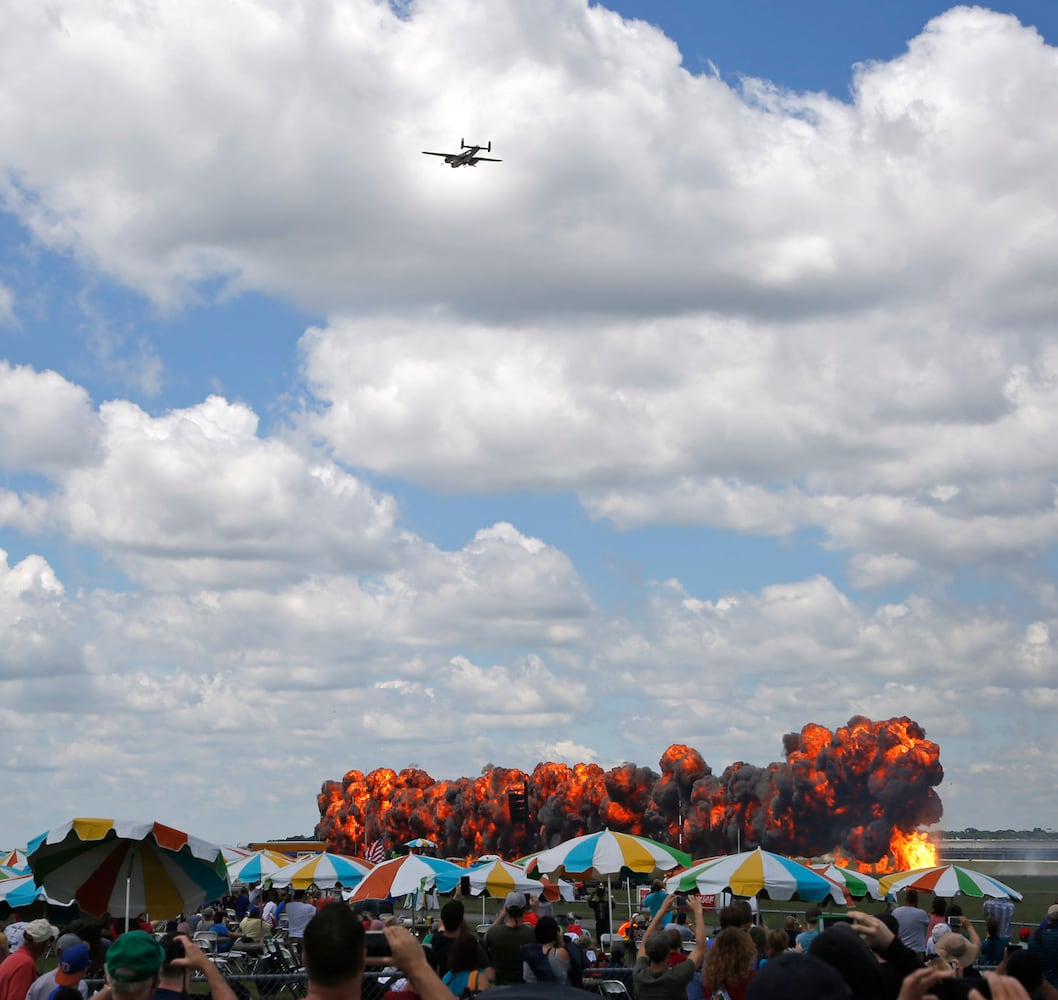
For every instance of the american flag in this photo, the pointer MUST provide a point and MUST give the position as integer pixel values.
(376, 852)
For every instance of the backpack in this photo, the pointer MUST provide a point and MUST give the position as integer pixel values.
(536, 958)
(578, 962)
(470, 990)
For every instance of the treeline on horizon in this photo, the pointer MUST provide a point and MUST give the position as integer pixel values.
(972, 833)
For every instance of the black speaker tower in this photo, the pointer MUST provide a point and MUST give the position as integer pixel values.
(518, 805)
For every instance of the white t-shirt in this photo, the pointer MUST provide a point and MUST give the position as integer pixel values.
(44, 984)
(298, 916)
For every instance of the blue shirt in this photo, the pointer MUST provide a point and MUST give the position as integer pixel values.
(654, 902)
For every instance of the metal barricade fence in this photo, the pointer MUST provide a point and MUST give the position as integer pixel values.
(277, 986)
(294, 985)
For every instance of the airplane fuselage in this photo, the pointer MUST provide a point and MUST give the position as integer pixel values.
(463, 159)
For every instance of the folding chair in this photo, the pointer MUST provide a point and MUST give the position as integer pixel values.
(207, 941)
(613, 988)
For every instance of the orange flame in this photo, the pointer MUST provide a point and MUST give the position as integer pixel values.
(908, 851)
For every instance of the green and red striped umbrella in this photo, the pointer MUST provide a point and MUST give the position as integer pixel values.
(948, 880)
(407, 875)
(856, 883)
(753, 872)
(124, 866)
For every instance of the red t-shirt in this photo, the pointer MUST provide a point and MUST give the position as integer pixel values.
(17, 973)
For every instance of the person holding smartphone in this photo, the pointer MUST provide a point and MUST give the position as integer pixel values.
(183, 956)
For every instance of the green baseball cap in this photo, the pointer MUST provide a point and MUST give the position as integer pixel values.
(134, 957)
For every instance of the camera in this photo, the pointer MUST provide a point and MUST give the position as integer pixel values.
(173, 949)
(959, 989)
(377, 944)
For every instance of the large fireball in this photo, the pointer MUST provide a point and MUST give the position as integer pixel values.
(859, 793)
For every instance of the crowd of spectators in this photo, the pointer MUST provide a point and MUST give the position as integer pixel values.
(905, 954)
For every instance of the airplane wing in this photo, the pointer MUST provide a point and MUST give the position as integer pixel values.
(426, 152)
(491, 159)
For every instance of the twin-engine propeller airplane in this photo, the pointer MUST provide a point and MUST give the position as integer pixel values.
(467, 155)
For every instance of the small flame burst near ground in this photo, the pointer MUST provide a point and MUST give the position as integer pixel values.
(858, 794)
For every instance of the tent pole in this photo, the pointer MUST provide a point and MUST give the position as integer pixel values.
(609, 909)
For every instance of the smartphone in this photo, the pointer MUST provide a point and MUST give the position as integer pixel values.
(377, 944)
(959, 989)
(173, 949)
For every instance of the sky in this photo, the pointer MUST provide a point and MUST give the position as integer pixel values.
(727, 402)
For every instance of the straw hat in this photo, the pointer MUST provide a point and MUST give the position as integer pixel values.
(954, 947)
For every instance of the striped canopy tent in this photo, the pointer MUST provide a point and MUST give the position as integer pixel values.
(606, 853)
(256, 867)
(856, 884)
(324, 870)
(528, 861)
(20, 891)
(233, 854)
(14, 859)
(756, 872)
(948, 880)
(408, 875)
(127, 866)
(552, 889)
(498, 877)
(492, 876)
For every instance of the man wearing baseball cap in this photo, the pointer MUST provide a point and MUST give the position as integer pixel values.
(74, 960)
(504, 939)
(133, 964)
(1044, 942)
(19, 969)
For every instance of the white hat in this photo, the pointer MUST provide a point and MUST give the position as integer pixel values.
(39, 931)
